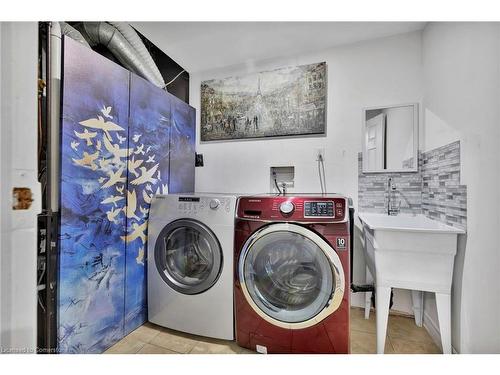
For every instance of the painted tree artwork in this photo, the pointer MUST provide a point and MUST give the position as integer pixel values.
(282, 102)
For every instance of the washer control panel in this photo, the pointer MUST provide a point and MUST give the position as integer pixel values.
(319, 209)
(309, 209)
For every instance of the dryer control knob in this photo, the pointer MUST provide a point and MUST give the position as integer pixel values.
(214, 204)
(287, 207)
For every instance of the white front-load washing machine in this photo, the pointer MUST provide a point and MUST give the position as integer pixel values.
(190, 263)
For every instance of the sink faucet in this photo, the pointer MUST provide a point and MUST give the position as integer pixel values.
(392, 208)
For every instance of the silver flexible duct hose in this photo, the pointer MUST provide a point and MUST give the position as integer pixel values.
(73, 33)
(135, 41)
(109, 36)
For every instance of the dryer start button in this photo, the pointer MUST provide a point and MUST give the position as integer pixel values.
(214, 204)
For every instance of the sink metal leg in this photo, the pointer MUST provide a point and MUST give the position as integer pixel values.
(417, 297)
(368, 295)
(443, 303)
(383, 297)
(368, 304)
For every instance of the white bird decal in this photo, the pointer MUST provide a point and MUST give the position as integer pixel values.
(144, 211)
(138, 232)
(87, 161)
(101, 124)
(106, 112)
(140, 256)
(98, 145)
(133, 164)
(131, 205)
(74, 145)
(115, 150)
(147, 150)
(164, 189)
(121, 139)
(119, 189)
(140, 150)
(151, 159)
(103, 163)
(147, 198)
(114, 178)
(112, 200)
(148, 187)
(86, 135)
(113, 214)
(146, 176)
(136, 137)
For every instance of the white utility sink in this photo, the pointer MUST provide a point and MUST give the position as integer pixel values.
(410, 252)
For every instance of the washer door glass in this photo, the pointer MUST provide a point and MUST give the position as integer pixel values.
(188, 256)
(288, 276)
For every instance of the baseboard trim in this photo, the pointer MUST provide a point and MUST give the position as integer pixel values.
(432, 328)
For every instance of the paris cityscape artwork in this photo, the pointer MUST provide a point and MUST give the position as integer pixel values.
(288, 101)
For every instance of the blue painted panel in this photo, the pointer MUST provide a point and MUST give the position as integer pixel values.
(122, 141)
(93, 198)
(182, 147)
(148, 173)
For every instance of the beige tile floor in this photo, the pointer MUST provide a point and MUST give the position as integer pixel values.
(403, 337)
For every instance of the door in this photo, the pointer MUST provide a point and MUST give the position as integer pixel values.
(188, 256)
(290, 276)
(375, 143)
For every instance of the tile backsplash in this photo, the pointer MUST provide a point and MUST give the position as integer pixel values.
(443, 198)
(434, 190)
(372, 190)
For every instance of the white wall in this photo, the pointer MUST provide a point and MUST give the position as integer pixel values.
(461, 64)
(18, 158)
(379, 72)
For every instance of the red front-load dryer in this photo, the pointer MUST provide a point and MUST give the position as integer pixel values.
(291, 274)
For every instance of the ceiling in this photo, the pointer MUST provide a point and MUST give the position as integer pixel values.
(198, 46)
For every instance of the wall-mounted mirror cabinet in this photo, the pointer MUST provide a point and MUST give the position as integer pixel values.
(390, 139)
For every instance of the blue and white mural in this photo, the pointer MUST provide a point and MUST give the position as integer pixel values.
(182, 147)
(93, 200)
(148, 172)
(122, 141)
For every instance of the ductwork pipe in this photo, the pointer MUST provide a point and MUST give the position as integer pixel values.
(73, 33)
(109, 36)
(135, 41)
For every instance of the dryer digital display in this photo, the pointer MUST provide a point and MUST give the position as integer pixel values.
(189, 199)
(319, 209)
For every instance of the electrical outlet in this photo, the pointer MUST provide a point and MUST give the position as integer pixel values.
(320, 154)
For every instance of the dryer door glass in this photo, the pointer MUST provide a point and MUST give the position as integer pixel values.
(188, 256)
(287, 275)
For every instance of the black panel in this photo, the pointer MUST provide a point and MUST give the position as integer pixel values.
(169, 69)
